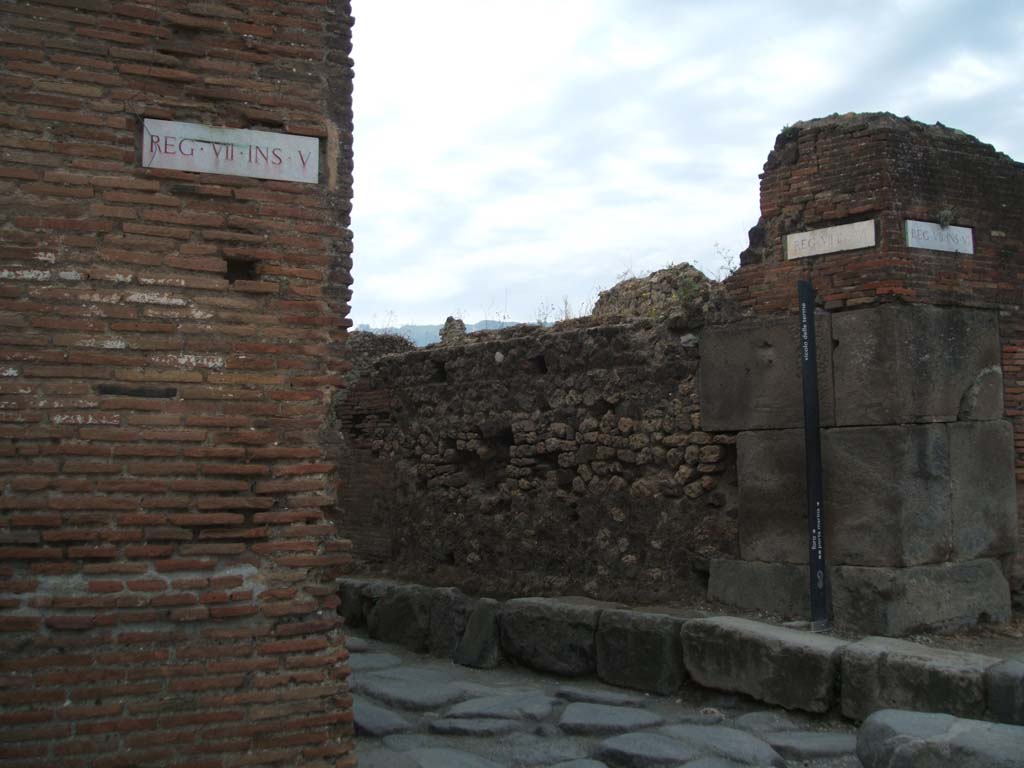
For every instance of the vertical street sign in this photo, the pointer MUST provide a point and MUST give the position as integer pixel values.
(812, 450)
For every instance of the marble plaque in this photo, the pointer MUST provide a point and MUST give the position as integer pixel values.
(928, 234)
(231, 151)
(844, 237)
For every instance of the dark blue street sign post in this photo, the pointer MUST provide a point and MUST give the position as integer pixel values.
(812, 449)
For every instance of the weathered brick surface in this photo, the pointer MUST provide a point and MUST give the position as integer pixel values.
(876, 166)
(166, 563)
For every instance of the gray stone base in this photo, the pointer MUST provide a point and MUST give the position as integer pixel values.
(881, 601)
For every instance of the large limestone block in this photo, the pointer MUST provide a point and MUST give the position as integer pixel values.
(984, 491)
(887, 495)
(780, 588)
(903, 601)
(750, 375)
(883, 673)
(897, 739)
(794, 669)
(640, 650)
(550, 636)
(902, 363)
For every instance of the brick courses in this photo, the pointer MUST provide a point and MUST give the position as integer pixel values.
(169, 345)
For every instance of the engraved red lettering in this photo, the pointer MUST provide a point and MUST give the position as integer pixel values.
(191, 147)
(170, 145)
(304, 159)
(154, 144)
(276, 153)
(262, 153)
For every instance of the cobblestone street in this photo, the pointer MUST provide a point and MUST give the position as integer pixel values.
(415, 711)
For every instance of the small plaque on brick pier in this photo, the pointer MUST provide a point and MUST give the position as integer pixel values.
(928, 234)
(844, 237)
(231, 151)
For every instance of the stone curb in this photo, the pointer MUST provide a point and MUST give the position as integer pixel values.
(661, 653)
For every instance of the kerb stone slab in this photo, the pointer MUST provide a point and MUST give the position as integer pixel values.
(640, 650)
(550, 636)
(883, 673)
(794, 669)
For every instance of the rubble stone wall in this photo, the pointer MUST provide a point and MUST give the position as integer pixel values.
(529, 460)
(171, 342)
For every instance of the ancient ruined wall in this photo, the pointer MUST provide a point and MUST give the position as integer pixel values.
(878, 167)
(531, 461)
(171, 343)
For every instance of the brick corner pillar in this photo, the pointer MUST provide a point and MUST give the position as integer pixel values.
(174, 277)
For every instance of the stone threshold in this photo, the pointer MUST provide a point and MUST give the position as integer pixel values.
(662, 653)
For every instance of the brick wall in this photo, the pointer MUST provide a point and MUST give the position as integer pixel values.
(875, 166)
(170, 344)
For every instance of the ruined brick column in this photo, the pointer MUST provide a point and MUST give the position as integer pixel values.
(914, 239)
(174, 306)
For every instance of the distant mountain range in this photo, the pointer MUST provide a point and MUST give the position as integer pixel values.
(422, 335)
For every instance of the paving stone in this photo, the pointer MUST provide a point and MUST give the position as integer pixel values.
(351, 602)
(374, 720)
(644, 750)
(884, 673)
(550, 636)
(475, 726)
(728, 743)
(760, 723)
(598, 696)
(902, 739)
(587, 718)
(529, 750)
(414, 689)
(812, 745)
(383, 758)
(713, 762)
(640, 650)
(368, 662)
(711, 717)
(585, 763)
(1005, 684)
(797, 670)
(480, 646)
(515, 707)
(448, 758)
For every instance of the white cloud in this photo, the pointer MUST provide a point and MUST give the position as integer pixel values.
(509, 154)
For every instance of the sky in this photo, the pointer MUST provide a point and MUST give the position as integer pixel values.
(514, 157)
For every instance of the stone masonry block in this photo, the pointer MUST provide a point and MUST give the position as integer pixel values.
(902, 363)
(887, 499)
(750, 374)
(640, 650)
(794, 669)
(780, 588)
(550, 636)
(902, 601)
(984, 492)
(883, 673)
